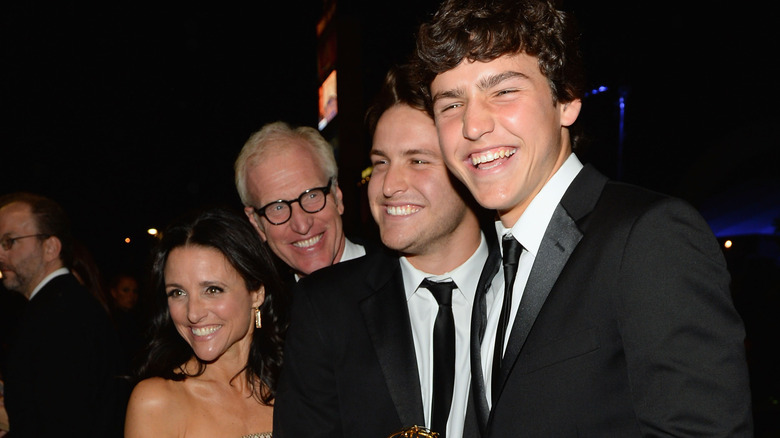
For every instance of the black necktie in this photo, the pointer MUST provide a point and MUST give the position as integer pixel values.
(443, 354)
(512, 250)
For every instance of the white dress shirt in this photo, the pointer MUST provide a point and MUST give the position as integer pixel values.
(529, 231)
(422, 313)
(351, 251)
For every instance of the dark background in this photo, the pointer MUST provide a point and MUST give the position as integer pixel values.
(130, 115)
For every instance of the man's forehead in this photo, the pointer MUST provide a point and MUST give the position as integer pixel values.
(16, 216)
(285, 175)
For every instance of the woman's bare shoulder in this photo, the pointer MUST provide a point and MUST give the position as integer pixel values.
(157, 392)
(154, 406)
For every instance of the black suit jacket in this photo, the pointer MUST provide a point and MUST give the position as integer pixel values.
(626, 327)
(63, 367)
(350, 368)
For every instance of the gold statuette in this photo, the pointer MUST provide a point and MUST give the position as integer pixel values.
(415, 432)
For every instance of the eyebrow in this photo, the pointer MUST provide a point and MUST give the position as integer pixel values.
(406, 152)
(204, 283)
(484, 84)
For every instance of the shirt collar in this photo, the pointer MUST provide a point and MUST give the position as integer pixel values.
(352, 251)
(56, 273)
(530, 227)
(465, 276)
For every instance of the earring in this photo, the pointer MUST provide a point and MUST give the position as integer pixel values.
(258, 318)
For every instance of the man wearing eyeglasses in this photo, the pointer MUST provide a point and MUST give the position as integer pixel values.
(287, 180)
(64, 359)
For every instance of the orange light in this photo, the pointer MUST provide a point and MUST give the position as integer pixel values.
(727, 244)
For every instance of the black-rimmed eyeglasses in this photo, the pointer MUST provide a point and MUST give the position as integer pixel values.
(8, 242)
(311, 201)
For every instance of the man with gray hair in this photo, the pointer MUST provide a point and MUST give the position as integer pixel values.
(287, 180)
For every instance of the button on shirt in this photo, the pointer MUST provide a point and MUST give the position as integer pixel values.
(529, 231)
(422, 313)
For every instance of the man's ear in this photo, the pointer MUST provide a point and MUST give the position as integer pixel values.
(339, 199)
(254, 219)
(570, 111)
(52, 246)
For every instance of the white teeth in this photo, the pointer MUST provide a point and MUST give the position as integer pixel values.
(308, 242)
(203, 331)
(404, 210)
(486, 157)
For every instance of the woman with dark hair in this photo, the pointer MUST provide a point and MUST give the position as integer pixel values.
(215, 352)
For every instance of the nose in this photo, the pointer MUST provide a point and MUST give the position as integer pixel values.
(394, 181)
(196, 310)
(300, 221)
(477, 120)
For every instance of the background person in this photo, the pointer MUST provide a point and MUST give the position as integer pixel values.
(61, 372)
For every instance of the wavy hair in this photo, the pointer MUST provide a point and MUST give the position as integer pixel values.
(480, 30)
(232, 235)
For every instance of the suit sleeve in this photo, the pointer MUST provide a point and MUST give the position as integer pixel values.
(306, 400)
(684, 340)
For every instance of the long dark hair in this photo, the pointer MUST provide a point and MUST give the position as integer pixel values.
(235, 238)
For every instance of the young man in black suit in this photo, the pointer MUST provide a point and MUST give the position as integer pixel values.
(64, 363)
(618, 321)
(360, 354)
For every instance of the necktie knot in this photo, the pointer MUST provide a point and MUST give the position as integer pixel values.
(441, 290)
(512, 249)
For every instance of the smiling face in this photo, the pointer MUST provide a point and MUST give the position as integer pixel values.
(308, 241)
(410, 192)
(209, 302)
(499, 130)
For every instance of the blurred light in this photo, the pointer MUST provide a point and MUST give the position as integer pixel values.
(597, 90)
(152, 231)
(727, 244)
(127, 240)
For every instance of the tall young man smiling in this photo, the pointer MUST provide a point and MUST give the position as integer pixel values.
(619, 320)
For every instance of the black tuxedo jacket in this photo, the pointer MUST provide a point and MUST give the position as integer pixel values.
(63, 367)
(626, 327)
(350, 368)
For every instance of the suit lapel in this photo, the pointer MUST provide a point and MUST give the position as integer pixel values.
(559, 241)
(386, 317)
(478, 396)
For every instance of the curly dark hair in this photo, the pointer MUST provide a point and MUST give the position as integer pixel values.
(235, 238)
(483, 30)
